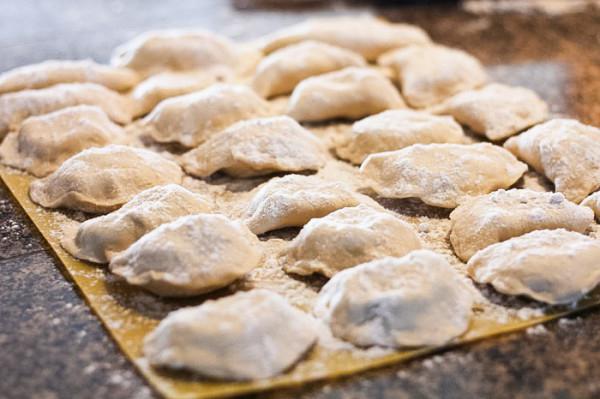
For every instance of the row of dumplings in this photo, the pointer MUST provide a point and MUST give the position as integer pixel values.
(384, 288)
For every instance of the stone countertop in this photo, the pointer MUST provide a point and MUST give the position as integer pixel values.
(51, 346)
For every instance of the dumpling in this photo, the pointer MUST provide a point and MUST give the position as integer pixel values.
(415, 300)
(593, 202)
(430, 74)
(192, 255)
(396, 129)
(346, 238)
(164, 85)
(376, 35)
(99, 239)
(247, 336)
(193, 118)
(257, 147)
(99, 180)
(501, 215)
(294, 200)
(282, 70)
(349, 93)
(46, 141)
(496, 111)
(443, 175)
(16, 107)
(552, 266)
(174, 50)
(566, 151)
(50, 73)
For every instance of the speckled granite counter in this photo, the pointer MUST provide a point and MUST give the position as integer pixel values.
(51, 346)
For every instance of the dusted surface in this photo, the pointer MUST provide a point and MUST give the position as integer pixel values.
(41, 312)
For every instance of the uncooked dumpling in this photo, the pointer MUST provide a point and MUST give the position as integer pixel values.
(346, 238)
(593, 202)
(496, 111)
(246, 336)
(174, 50)
(295, 199)
(46, 141)
(502, 214)
(374, 36)
(396, 129)
(164, 85)
(430, 74)
(415, 300)
(552, 266)
(99, 239)
(349, 93)
(191, 119)
(192, 255)
(442, 175)
(566, 151)
(257, 147)
(16, 107)
(50, 73)
(282, 70)
(100, 180)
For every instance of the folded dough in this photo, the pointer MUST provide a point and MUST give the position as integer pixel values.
(396, 129)
(415, 300)
(192, 118)
(375, 36)
(99, 239)
(246, 336)
(257, 147)
(552, 266)
(349, 93)
(174, 50)
(46, 141)
(498, 216)
(192, 255)
(593, 202)
(346, 238)
(283, 69)
(52, 72)
(496, 111)
(294, 200)
(18, 106)
(100, 180)
(430, 74)
(564, 150)
(443, 175)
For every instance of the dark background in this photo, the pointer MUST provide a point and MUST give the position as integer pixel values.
(51, 346)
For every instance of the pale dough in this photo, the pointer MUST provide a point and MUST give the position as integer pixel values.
(593, 202)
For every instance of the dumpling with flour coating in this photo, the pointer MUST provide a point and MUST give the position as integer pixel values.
(415, 300)
(501, 215)
(593, 202)
(193, 118)
(346, 238)
(52, 72)
(247, 336)
(564, 150)
(349, 93)
(44, 142)
(496, 111)
(283, 69)
(99, 180)
(18, 106)
(376, 35)
(294, 200)
(443, 175)
(99, 239)
(396, 129)
(192, 255)
(257, 147)
(430, 74)
(552, 266)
